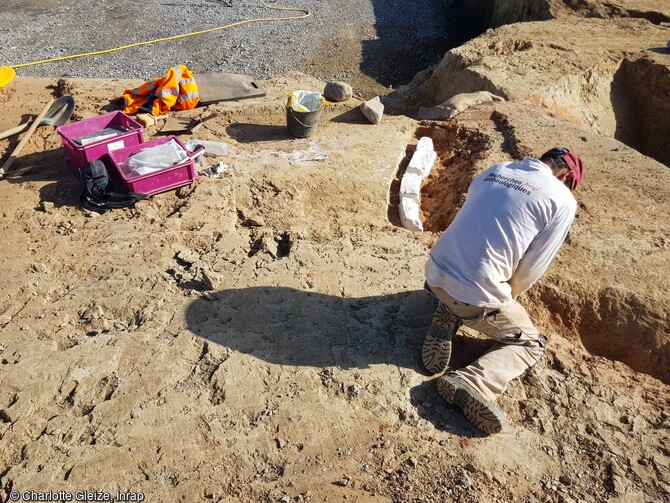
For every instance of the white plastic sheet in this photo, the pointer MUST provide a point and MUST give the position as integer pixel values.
(152, 159)
(306, 101)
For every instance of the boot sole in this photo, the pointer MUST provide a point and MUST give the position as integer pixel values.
(480, 412)
(436, 351)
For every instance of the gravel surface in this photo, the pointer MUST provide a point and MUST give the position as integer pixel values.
(387, 40)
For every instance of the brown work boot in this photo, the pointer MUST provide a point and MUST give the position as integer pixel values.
(479, 411)
(436, 351)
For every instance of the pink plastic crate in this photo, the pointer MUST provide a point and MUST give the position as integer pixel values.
(78, 155)
(163, 180)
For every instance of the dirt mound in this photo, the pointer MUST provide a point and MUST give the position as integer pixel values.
(617, 88)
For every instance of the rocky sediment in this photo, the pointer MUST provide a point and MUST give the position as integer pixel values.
(256, 337)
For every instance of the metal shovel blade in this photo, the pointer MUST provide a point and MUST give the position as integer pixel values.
(60, 112)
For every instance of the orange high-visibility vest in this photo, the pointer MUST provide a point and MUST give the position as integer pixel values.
(176, 91)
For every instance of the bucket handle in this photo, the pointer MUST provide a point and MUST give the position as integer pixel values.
(298, 120)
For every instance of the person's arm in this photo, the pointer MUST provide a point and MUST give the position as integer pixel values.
(541, 251)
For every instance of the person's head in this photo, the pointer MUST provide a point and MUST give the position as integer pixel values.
(566, 165)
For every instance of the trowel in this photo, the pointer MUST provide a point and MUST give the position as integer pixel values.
(186, 124)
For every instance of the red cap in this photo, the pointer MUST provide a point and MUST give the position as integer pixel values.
(576, 165)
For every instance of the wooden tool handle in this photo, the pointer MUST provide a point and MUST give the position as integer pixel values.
(14, 130)
(24, 140)
(210, 116)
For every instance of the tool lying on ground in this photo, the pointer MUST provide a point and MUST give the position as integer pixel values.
(186, 124)
(216, 87)
(55, 113)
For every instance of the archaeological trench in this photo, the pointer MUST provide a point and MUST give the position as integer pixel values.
(620, 90)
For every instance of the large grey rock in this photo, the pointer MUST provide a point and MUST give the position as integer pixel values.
(373, 110)
(337, 91)
(455, 105)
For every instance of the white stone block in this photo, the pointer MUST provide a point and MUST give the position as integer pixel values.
(425, 143)
(422, 162)
(409, 214)
(410, 186)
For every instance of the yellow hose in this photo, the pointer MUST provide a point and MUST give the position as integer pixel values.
(305, 14)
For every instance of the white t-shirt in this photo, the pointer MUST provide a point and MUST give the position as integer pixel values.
(514, 220)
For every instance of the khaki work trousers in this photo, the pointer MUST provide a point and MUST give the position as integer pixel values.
(519, 344)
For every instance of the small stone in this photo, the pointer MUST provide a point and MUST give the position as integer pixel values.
(94, 312)
(639, 424)
(500, 479)
(373, 110)
(462, 481)
(269, 246)
(210, 280)
(337, 91)
(254, 222)
(413, 462)
(619, 485)
(565, 480)
(346, 480)
(188, 256)
(47, 206)
(470, 467)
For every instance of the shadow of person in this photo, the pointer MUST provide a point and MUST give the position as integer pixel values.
(293, 327)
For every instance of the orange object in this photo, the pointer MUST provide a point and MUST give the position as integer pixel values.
(177, 90)
(7, 74)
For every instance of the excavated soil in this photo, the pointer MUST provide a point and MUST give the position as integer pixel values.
(256, 337)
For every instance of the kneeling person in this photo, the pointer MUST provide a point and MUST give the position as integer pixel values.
(515, 217)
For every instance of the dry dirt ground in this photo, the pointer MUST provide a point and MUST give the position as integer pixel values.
(256, 337)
